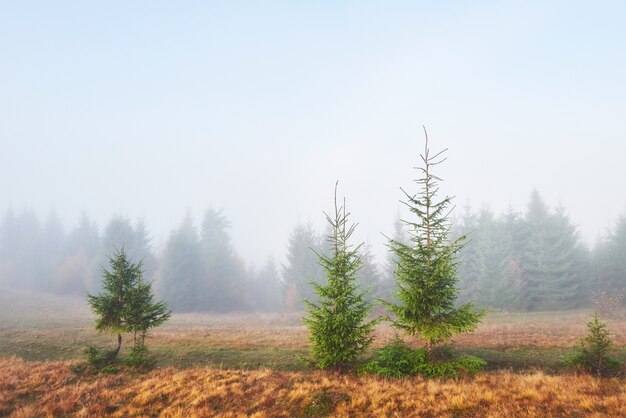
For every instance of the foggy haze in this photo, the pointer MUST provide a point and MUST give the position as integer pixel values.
(180, 183)
(149, 110)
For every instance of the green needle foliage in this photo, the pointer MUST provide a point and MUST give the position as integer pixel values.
(126, 303)
(426, 271)
(144, 313)
(337, 323)
(592, 355)
(397, 360)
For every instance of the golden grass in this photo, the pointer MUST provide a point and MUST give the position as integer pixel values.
(51, 389)
(59, 328)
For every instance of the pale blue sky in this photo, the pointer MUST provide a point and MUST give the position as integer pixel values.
(148, 108)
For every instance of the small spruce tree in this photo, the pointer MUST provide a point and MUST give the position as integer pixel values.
(592, 355)
(426, 266)
(126, 303)
(337, 323)
(144, 312)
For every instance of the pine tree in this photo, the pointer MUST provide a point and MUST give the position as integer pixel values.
(182, 271)
(301, 266)
(610, 260)
(52, 242)
(77, 272)
(593, 351)
(554, 262)
(535, 254)
(426, 274)
(225, 271)
(469, 256)
(337, 323)
(119, 233)
(266, 288)
(144, 313)
(488, 270)
(511, 267)
(143, 249)
(493, 287)
(570, 267)
(125, 303)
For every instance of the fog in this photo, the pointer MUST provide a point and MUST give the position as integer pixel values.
(153, 111)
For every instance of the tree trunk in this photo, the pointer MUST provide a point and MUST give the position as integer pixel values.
(119, 345)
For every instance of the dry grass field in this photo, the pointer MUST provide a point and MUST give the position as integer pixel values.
(50, 389)
(247, 365)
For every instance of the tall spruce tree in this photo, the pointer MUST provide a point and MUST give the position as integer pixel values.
(498, 266)
(266, 288)
(77, 271)
(120, 232)
(182, 271)
(143, 249)
(225, 271)
(469, 256)
(52, 242)
(610, 260)
(535, 254)
(554, 262)
(426, 274)
(337, 323)
(511, 245)
(489, 270)
(301, 266)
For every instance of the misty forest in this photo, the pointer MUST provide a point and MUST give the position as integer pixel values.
(532, 260)
(441, 277)
(312, 209)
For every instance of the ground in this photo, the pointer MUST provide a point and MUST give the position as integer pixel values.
(248, 365)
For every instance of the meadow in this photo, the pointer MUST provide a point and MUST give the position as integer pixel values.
(249, 365)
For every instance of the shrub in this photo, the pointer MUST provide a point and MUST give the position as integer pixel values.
(99, 358)
(139, 357)
(397, 360)
(106, 361)
(97, 361)
(592, 354)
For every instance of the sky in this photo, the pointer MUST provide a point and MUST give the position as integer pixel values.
(152, 109)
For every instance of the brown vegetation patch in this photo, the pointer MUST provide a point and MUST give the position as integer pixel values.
(51, 389)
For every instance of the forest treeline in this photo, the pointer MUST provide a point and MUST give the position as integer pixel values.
(529, 260)
(535, 260)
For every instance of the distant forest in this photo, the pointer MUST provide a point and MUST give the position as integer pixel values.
(528, 261)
